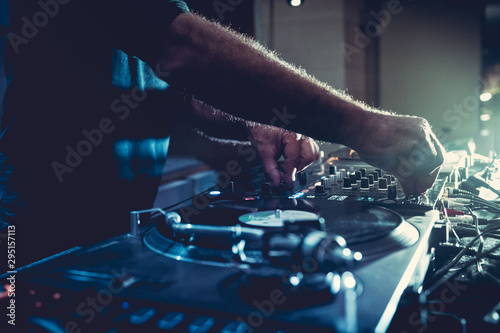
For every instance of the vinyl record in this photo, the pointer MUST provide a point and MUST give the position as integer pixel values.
(367, 228)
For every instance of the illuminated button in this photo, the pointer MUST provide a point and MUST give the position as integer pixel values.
(201, 325)
(170, 320)
(142, 315)
(235, 327)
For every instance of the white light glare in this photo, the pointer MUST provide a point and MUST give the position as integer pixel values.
(485, 97)
(485, 117)
(296, 3)
(485, 132)
(349, 281)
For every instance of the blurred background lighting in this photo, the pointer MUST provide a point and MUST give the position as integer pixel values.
(295, 3)
(485, 117)
(485, 96)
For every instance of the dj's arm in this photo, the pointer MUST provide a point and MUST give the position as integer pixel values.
(270, 142)
(238, 76)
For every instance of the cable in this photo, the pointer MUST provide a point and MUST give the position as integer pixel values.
(481, 241)
(461, 321)
(440, 275)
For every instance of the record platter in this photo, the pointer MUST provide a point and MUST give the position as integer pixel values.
(238, 265)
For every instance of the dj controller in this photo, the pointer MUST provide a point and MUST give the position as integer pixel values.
(335, 254)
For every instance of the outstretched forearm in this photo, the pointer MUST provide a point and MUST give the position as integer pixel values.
(239, 76)
(215, 123)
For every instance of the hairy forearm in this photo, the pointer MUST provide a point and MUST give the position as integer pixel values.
(240, 77)
(215, 123)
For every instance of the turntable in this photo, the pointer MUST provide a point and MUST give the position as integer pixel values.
(238, 265)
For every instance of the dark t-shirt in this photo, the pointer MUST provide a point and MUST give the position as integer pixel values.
(87, 124)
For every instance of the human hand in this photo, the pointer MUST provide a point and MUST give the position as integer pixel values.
(271, 142)
(404, 146)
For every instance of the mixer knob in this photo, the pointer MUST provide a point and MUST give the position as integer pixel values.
(392, 192)
(370, 179)
(319, 189)
(365, 184)
(389, 179)
(359, 175)
(339, 176)
(363, 172)
(347, 183)
(325, 182)
(382, 184)
(266, 189)
(333, 179)
(343, 172)
(379, 172)
(333, 169)
(375, 176)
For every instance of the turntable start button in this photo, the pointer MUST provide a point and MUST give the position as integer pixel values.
(170, 320)
(235, 327)
(201, 325)
(142, 315)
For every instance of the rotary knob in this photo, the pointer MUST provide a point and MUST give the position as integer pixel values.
(326, 183)
(371, 179)
(382, 184)
(365, 184)
(363, 172)
(347, 184)
(266, 189)
(319, 189)
(392, 192)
